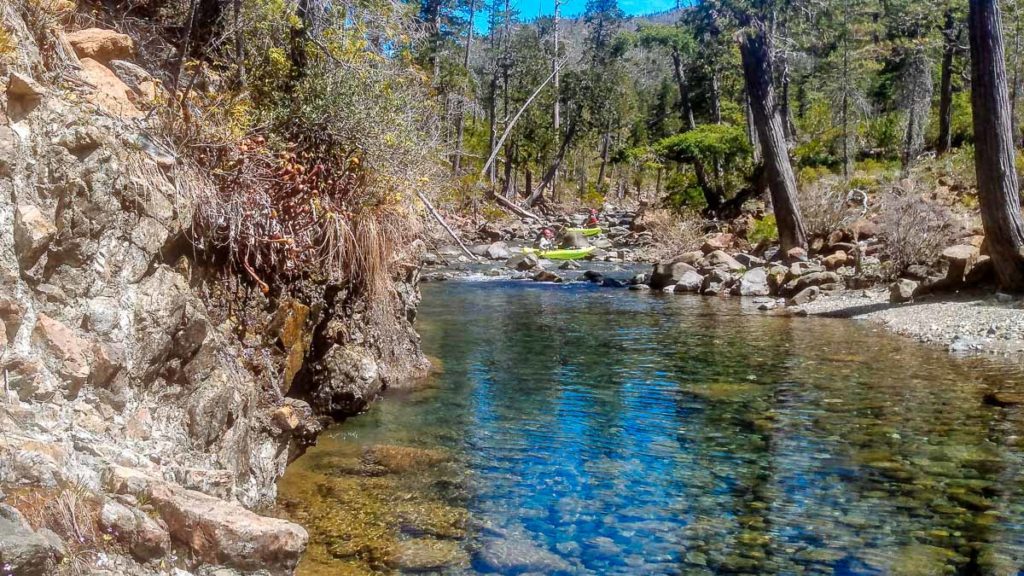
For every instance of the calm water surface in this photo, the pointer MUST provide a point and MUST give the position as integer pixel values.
(575, 430)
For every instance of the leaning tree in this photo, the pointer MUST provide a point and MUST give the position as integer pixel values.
(998, 191)
(755, 51)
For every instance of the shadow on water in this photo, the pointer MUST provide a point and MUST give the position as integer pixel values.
(574, 430)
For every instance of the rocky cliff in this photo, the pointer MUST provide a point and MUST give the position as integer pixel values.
(150, 399)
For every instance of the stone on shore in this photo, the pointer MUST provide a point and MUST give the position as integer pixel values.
(101, 45)
(902, 291)
(214, 530)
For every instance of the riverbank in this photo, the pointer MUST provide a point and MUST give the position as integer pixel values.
(969, 323)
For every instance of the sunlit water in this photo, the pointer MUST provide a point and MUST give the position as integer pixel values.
(576, 430)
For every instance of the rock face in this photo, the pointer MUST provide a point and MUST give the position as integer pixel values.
(123, 349)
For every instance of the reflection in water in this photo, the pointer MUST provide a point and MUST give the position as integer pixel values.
(582, 431)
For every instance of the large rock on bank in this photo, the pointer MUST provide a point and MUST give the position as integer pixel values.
(216, 531)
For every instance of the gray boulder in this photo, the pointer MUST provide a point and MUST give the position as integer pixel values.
(523, 262)
(351, 381)
(754, 282)
(498, 251)
(669, 274)
(902, 291)
(519, 555)
(690, 282)
(26, 553)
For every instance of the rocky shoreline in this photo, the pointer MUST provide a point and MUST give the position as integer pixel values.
(951, 305)
(150, 401)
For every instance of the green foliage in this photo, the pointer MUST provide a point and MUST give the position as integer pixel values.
(815, 154)
(885, 133)
(707, 143)
(682, 192)
(764, 229)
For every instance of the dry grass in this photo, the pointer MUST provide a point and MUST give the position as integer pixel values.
(72, 512)
(674, 233)
(914, 231)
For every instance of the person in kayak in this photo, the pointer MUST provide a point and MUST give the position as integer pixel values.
(545, 239)
(593, 221)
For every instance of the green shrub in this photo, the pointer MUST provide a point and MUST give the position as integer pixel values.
(682, 192)
(764, 229)
(884, 133)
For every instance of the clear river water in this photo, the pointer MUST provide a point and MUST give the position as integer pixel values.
(569, 429)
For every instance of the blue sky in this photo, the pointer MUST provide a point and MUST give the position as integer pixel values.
(530, 9)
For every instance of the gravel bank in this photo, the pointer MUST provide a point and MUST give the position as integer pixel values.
(964, 323)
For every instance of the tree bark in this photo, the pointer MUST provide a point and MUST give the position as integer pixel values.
(712, 196)
(950, 38)
(755, 52)
(460, 129)
(998, 191)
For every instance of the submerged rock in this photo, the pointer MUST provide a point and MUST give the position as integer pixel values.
(403, 458)
(427, 555)
(519, 555)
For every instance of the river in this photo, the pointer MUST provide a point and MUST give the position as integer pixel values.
(569, 429)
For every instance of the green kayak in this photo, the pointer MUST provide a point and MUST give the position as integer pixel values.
(566, 254)
(585, 231)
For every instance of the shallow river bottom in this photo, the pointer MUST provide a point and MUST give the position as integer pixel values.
(573, 430)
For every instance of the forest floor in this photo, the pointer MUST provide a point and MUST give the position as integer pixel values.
(966, 323)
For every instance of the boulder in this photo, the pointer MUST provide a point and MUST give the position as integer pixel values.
(498, 251)
(350, 380)
(690, 282)
(749, 261)
(523, 262)
(719, 259)
(807, 280)
(33, 233)
(716, 282)
(593, 276)
(427, 555)
(836, 260)
(72, 355)
(961, 259)
(754, 282)
(804, 296)
(101, 45)
(545, 276)
(796, 254)
(669, 274)
(691, 258)
(214, 530)
(902, 290)
(722, 241)
(134, 76)
(146, 538)
(612, 283)
(26, 553)
(23, 88)
(110, 93)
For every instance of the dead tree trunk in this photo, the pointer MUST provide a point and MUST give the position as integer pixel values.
(755, 52)
(998, 191)
(951, 37)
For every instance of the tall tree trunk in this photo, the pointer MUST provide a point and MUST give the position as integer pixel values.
(784, 108)
(998, 191)
(604, 159)
(549, 176)
(460, 127)
(950, 35)
(712, 195)
(529, 182)
(1015, 87)
(755, 52)
(555, 67)
(845, 106)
